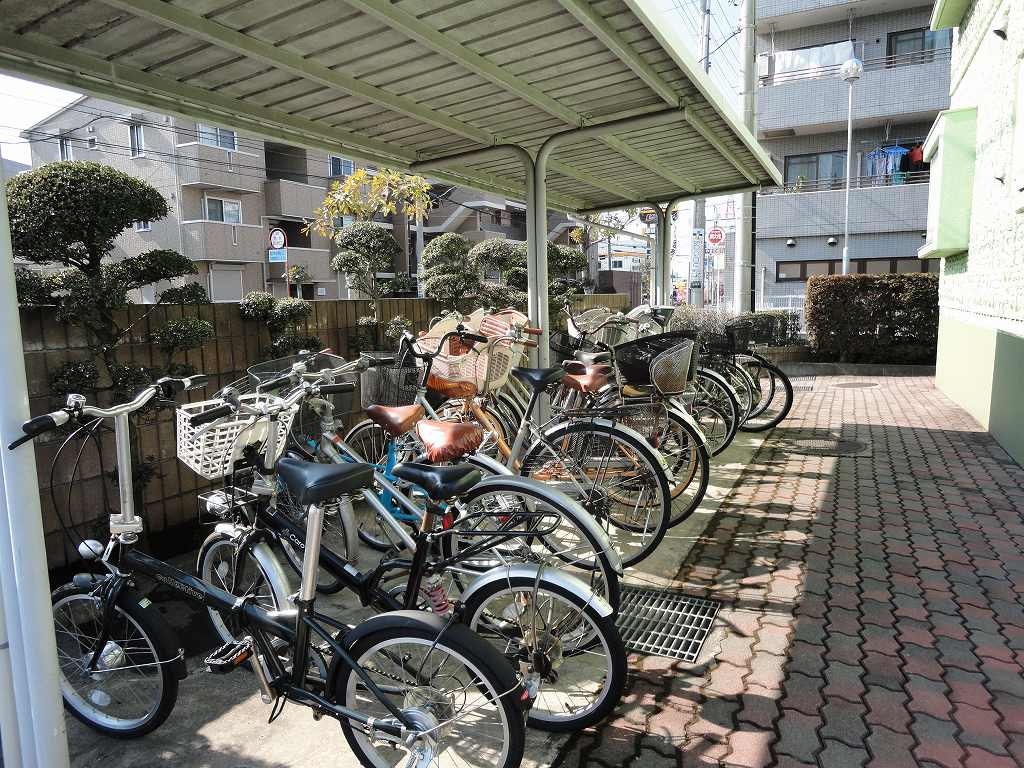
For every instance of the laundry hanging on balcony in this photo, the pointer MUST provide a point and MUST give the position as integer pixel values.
(812, 61)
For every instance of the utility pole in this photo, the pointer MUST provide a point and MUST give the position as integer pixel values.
(743, 299)
(699, 241)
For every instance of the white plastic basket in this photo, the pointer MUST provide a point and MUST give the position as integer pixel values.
(211, 450)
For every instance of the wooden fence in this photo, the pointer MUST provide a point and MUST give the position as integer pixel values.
(170, 494)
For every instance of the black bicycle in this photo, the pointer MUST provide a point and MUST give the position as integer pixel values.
(406, 686)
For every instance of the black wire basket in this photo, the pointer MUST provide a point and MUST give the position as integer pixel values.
(633, 359)
(564, 347)
(389, 386)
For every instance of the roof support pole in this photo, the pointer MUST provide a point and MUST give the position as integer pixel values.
(28, 616)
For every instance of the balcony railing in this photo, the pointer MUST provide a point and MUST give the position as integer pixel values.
(870, 65)
(856, 182)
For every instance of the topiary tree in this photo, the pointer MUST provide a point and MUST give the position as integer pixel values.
(364, 250)
(282, 318)
(451, 275)
(68, 214)
(509, 257)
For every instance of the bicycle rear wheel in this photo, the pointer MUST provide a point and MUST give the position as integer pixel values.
(712, 390)
(371, 442)
(776, 394)
(614, 474)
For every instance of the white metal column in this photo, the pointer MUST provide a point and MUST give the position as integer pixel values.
(745, 231)
(23, 576)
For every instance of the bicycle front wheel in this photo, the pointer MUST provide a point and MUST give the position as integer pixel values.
(776, 394)
(132, 687)
(577, 653)
(452, 684)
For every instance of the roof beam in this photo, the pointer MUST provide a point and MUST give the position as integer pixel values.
(437, 41)
(599, 27)
(709, 136)
(44, 62)
(215, 33)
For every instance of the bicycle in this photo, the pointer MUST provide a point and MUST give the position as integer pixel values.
(559, 633)
(120, 664)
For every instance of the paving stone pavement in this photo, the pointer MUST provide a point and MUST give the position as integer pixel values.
(874, 604)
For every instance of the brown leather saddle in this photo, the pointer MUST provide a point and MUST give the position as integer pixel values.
(396, 421)
(586, 378)
(449, 388)
(448, 440)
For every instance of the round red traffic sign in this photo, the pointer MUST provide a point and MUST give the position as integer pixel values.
(716, 236)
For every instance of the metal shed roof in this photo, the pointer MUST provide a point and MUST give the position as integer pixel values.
(400, 83)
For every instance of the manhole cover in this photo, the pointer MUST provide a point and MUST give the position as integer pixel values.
(827, 446)
(664, 622)
(856, 384)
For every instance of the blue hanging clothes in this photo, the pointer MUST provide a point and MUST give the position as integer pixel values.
(877, 163)
(893, 157)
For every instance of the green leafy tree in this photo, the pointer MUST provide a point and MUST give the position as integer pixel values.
(451, 274)
(364, 250)
(68, 215)
(509, 258)
(283, 318)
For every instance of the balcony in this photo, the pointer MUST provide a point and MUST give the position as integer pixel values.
(215, 241)
(790, 14)
(877, 204)
(907, 87)
(206, 167)
(292, 199)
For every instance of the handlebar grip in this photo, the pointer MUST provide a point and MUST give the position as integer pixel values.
(213, 414)
(532, 331)
(377, 362)
(277, 383)
(39, 425)
(172, 385)
(474, 337)
(337, 388)
(530, 344)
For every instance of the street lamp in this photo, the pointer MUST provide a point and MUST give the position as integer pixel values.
(850, 72)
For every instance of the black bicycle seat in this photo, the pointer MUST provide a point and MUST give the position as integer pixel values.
(593, 358)
(309, 483)
(539, 379)
(440, 483)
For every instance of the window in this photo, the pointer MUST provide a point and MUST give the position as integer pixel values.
(341, 166)
(817, 268)
(135, 139)
(228, 211)
(91, 142)
(789, 270)
(217, 137)
(913, 44)
(801, 270)
(226, 285)
(142, 226)
(877, 266)
(308, 290)
(617, 264)
(64, 143)
(827, 167)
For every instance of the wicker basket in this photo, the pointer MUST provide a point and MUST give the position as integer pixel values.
(211, 450)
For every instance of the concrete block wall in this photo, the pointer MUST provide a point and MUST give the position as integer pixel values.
(981, 293)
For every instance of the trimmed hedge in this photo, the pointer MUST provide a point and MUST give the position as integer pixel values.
(873, 318)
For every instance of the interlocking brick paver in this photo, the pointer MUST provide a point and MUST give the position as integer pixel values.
(875, 604)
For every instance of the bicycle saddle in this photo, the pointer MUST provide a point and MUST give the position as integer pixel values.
(395, 421)
(448, 440)
(440, 483)
(593, 358)
(450, 388)
(591, 381)
(539, 379)
(310, 483)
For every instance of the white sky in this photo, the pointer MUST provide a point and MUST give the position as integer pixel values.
(24, 103)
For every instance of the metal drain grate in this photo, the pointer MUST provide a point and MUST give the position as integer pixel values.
(828, 446)
(665, 622)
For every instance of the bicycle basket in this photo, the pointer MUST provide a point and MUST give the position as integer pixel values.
(211, 450)
(314, 363)
(648, 419)
(671, 368)
(389, 385)
(633, 359)
(563, 347)
(740, 334)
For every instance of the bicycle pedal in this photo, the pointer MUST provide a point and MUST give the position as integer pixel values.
(229, 656)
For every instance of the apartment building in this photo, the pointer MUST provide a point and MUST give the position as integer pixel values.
(802, 113)
(226, 191)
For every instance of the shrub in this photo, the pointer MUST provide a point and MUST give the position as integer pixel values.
(774, 327)
(450, 274)
(189, 293)
(873, 318)
(364, 249)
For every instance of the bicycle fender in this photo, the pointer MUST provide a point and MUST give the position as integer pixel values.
(488, 464)
(579, 515)
(267, 560)
(565, 581)
(683, 414)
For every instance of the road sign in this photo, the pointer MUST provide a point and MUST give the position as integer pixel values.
(716, 236)
(278, 239)
(277, 255)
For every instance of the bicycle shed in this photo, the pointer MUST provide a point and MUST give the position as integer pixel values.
(572, 105)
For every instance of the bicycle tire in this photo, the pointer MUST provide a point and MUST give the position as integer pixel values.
(699, 469)
(716, 392)
(601, 635)
(776, 374)
(368, 433)
(150, 625)
(571, 432)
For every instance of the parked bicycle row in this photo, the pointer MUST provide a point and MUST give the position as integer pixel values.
(504, 502)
